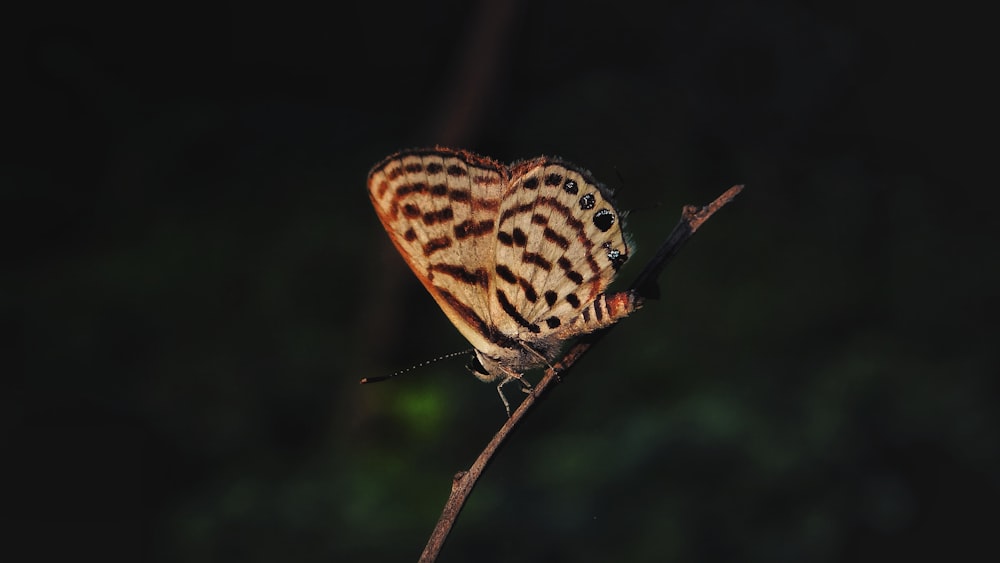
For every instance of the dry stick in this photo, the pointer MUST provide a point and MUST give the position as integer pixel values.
(691, 219)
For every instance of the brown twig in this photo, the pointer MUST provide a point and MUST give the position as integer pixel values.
(691, 219)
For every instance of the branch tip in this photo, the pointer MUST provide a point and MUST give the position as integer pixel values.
(696, 216)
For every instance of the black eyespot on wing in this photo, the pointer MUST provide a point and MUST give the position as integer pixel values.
(550, 297)
(520, 239)
(537, 260)
(459, 195)
(467, 228)
(436, 244)
(604, 219)
(508, 308)
(439, 216)
(529, 291)
(572, 274)
(617, 258)
(555, 238)
(505, 273)
(588, 201)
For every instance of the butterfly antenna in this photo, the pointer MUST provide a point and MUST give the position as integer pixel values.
(411, 368)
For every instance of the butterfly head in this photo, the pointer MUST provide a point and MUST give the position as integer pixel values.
(485, 368)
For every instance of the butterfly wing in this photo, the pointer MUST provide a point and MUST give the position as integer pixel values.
(439, 207)
(559, 245)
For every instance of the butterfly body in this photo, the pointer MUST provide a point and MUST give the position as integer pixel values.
(517, 257)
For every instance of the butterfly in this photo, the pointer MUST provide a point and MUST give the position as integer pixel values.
(517, 257)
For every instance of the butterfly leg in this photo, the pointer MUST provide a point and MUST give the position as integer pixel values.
(503, 397)
(510, 376)
(525, 386)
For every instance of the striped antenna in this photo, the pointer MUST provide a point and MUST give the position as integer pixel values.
(411, 368)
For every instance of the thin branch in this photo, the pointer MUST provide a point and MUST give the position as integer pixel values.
(691, 219)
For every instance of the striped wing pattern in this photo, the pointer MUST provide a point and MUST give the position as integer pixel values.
(518, 258)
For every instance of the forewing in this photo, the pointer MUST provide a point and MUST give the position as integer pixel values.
(439, 207)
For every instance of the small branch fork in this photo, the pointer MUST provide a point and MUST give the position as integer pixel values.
(645, 284)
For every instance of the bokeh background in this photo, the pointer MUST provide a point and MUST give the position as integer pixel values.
(194, 281)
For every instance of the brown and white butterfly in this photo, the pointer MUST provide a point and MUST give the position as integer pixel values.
(517, 257)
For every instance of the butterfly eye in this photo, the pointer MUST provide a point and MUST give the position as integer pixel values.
(476, 367)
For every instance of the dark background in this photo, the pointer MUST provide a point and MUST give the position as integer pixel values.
(194, 281)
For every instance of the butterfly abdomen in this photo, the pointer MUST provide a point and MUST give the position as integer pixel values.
(605, 311)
